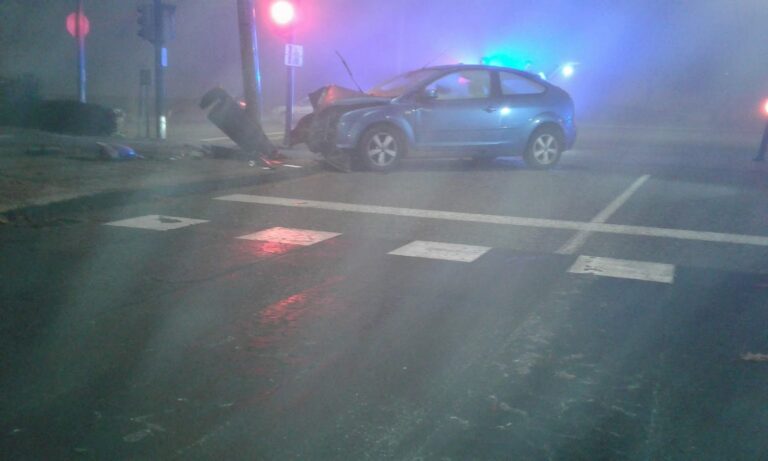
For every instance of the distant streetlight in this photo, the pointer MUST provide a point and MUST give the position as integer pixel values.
(568, 70)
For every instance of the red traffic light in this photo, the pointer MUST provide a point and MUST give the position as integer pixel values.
(85, 25)
(283, 12)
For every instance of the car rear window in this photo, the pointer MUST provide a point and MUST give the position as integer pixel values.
(512, 84)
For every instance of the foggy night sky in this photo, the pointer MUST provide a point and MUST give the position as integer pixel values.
(685, 56)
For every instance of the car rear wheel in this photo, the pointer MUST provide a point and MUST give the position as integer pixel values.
(544, 149)
(382, 148)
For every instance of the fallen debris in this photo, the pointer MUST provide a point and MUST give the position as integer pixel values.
(750, 357)
(116, 152)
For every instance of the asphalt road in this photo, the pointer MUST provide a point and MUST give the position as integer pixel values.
(613, 308)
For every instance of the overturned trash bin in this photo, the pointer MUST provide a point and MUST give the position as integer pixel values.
(232, 120)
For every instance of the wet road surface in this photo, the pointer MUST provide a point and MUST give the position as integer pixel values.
(438, 312)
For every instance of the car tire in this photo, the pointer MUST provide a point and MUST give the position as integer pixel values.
(544, 149)
(381, 148)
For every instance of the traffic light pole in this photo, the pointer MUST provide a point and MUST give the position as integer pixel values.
(289, 94)
(249, 49)
(80, 36)
(159, 69)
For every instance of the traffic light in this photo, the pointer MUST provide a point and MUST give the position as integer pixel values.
(283, 13)
(146, 20)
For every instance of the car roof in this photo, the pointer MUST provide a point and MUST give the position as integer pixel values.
(450, 67)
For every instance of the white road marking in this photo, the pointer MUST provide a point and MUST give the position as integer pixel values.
(442, 251)
(625, 269)
(273, 134)
(578, 240)
(640, 231)
(301, 237)
(156, 222)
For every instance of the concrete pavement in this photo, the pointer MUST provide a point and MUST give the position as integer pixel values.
(39, 168)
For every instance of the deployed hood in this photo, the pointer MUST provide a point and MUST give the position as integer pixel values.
(333, 95)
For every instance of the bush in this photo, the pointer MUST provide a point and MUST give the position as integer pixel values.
(74, 117)
(19, 98)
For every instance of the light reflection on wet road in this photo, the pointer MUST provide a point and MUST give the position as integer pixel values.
(198, 344)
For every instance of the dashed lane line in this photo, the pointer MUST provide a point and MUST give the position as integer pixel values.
(226, 138)
(577, 241)
(639, 231)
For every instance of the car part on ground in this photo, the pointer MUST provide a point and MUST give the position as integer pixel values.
(230, 117)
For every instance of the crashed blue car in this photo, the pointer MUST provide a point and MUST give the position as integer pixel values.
(474, 111)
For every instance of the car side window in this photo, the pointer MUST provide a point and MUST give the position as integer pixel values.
(513, 84)
(466, 84)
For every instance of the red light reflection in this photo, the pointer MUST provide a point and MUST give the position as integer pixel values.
(262, 249)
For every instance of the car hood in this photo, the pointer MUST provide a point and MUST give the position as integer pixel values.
(333, 95)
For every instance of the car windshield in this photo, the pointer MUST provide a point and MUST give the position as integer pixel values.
(398, 86)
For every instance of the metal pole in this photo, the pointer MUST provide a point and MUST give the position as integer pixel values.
(145, 80)
(289, 93)
(81, 76)
(249, 50)
(159, 69)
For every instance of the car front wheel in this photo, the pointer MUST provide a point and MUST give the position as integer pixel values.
(381, 148)
(544, 149)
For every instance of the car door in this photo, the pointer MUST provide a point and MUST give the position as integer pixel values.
(521, 101)
(458, 113)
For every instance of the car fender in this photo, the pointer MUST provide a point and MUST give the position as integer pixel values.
(353, 124)
(552, 118)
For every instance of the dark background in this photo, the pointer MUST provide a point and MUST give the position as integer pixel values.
(689, 62)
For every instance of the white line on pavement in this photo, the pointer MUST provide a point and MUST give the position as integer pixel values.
(578, 240)
(156, 222)
(303, 237)
(624, 269)
(640, 231)
(273, 134)
(440, 250)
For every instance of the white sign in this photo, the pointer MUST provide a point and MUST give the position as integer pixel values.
(294, 55)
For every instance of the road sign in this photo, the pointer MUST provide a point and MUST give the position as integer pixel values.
(294, 55)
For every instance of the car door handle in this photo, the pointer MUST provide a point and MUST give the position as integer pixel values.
(491, 109)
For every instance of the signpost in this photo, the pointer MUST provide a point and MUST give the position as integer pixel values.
(294, 57)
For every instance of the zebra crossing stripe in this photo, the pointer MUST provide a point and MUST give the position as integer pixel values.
(443, 251)
(303, 237)
(625, 269)
(156, 222)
